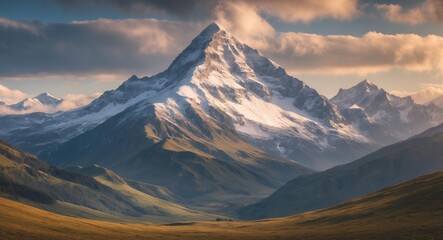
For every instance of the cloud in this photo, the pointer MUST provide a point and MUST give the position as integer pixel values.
(243, 18)
(10, 96)
(426, 93)
(333, 54)
(103, 45)
(5, 23)
(285, 10)
(107, 48)
(428, 11)
(246, 15)
(71, 101)
(329, 54)
(307, 10)
(179, 8)
(244, 22)
(345, 54)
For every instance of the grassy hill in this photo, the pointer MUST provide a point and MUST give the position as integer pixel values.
(386, 167)
(411, 210)
(23, 177)
(111, 179)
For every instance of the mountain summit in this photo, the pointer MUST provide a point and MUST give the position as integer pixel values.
(398, 117)
(217, 86)
(222, 119)
(47, 99)
(39, 101)
(221, 84)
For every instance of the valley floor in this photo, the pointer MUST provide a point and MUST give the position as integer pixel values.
(411, 210)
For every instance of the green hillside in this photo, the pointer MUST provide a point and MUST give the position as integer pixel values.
(411, 210)
(23, 177)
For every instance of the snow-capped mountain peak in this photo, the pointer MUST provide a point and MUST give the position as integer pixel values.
(367, 85)
(41, 100)
(361, 94)
(371, 97)
(219, 84)
(47, 99)
(219, 75)
(401, 115)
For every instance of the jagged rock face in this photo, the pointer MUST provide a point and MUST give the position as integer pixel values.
(274, 111)
(400, 117)
(216, 75)
(182, 149)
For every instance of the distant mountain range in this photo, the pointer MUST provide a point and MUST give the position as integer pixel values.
(221, 123)
(44, 99)
(40, 103)
(384, 116)
(390, 165)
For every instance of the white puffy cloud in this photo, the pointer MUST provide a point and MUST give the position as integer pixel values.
(71, 101)
(244, 22)
(331, 54)
(244, 18)
(107, 49)
(426, 93)
(10, 96)
(428, 11)
(284, 10)
(345, 54)
(143, 46)
(306, 10)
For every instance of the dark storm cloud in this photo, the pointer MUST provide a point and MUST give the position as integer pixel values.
(90, 46)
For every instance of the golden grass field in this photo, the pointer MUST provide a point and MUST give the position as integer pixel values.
(412, 210)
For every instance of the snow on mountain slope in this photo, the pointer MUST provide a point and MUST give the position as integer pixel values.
(267, 106)
(219, 88)
(47, 99)
(398, 117)
(38, 131)
(39, 102)
(180, 138)
(226, 81)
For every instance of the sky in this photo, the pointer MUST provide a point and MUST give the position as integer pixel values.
(76, 49)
